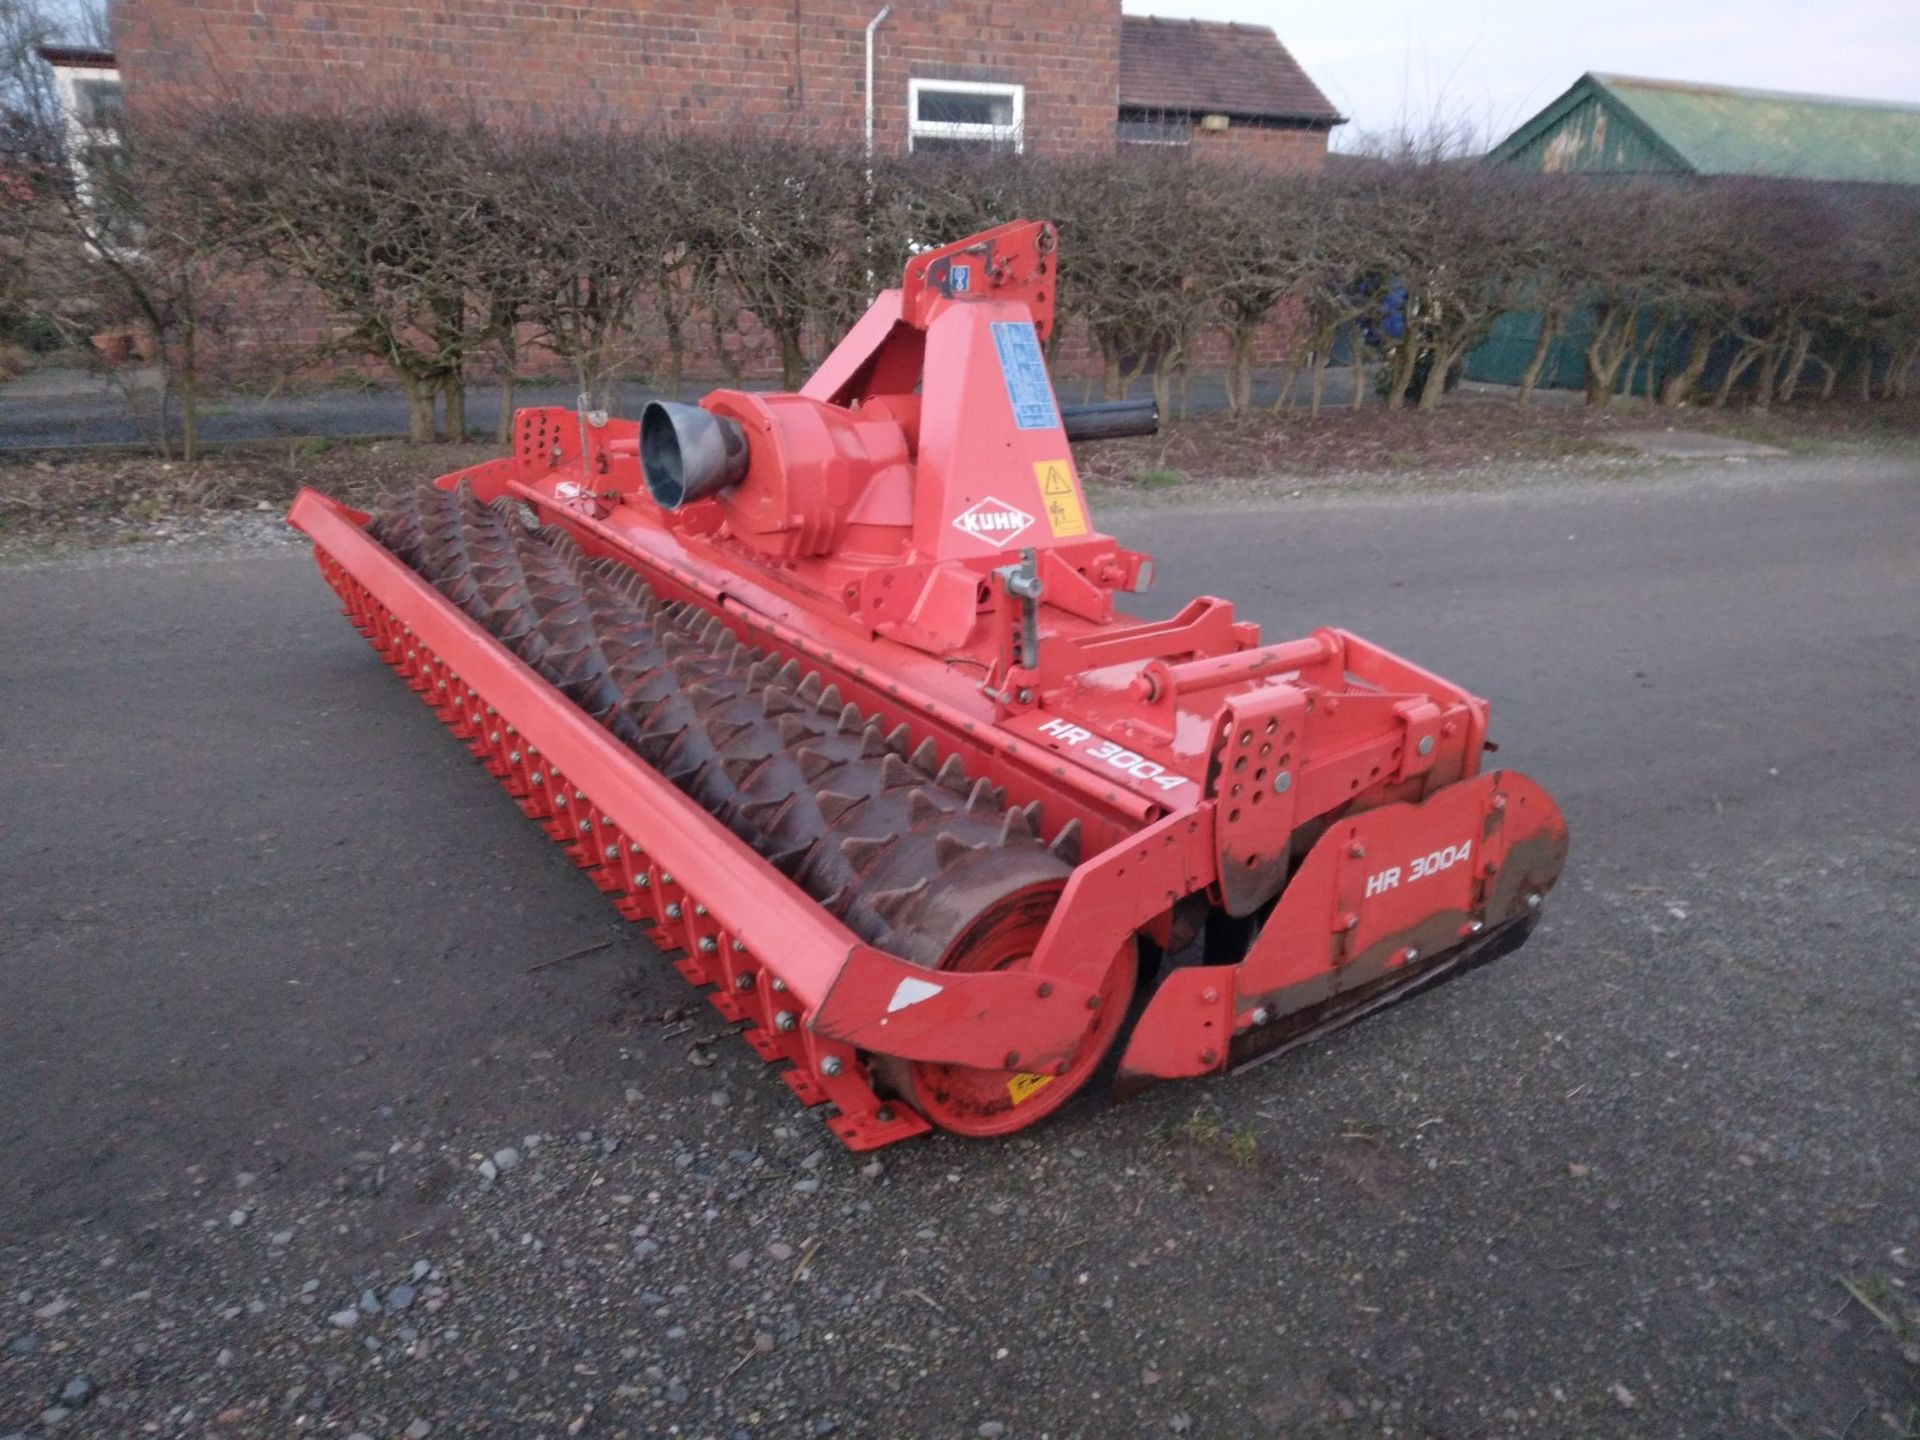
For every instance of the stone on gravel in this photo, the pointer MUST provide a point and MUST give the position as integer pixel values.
(505, 1158)
(281, 1238)
(53, 1309)
(780, 1250)
(677, 1393)
(399, 1298)
(991, 1430)
(236, 1218)
(419, 1430)
(344, 1319)
(78, 1392)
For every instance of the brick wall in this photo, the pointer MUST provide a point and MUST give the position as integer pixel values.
(701, 63)
(1280, 148)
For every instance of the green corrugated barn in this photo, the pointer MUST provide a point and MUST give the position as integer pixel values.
(1618, 125)
(1614, 124)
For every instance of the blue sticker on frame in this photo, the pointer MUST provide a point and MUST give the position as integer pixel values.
(1024, 369)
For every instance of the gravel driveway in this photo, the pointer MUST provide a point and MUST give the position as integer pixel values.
(338, 1102)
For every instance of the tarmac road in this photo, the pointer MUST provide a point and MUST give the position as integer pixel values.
(280, 966)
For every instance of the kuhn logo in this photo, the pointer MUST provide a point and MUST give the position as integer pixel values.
(994, 521)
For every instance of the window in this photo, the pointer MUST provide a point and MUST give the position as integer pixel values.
(1135, 131)
(964, 115)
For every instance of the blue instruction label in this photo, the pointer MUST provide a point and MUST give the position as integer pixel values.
(1024, 369)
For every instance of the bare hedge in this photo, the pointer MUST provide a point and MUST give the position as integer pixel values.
(439, 244)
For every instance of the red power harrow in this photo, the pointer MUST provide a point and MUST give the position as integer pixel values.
(829, 690)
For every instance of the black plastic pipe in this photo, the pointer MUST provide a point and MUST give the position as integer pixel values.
(1111, 419)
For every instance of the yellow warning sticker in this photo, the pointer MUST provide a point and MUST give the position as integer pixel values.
(1021, 1087)
(1060, 499)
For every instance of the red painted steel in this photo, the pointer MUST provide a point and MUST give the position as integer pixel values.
(911, 525)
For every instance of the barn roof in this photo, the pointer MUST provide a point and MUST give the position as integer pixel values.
(1194, 67)
(1722, 130)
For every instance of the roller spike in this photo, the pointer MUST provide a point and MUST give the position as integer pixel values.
(810, 688)
(898, 739)
(1014, 827)
(762, 671)
(1066, 845)
(895, 772)
(922, 806)
(812, 763)
(776, 700)
(674, 644)
(981, 799)
(1032, 810)
(852, 722)
(927, 756)
(861, 850)
(707, 692)
(833, 805)
(870, 742)
(953, 775)
(790, 673)
(829, 700)
(788, 860)
(794, 729)
(739, 767)
(949, 848)
(759, 812)
(890, 904)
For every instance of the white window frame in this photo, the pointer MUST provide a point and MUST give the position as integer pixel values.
(1013, 134)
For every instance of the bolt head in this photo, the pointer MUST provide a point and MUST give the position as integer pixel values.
(673, 910)
(1261, 1015)
(1283, 782)
(830, 1065)
(1411, 956)
(1425, 747)
(1476, 927)
(513, 756)
(613, 852)
(1209, 995)
(708, 945)
(1533, 901)
(1025, 697)
(585, 825)
(779, 984)
(743, 982)
(642, 881)
(785, 1020)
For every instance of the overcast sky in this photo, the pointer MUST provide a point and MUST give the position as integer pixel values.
(1496, 62)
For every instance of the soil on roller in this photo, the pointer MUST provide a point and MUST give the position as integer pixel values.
(910, 852)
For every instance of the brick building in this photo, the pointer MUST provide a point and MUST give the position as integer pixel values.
(1047, 76)
(1052, 75)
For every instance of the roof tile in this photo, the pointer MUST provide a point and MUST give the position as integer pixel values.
(1199, 66)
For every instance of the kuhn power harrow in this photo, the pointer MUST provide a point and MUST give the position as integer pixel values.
(829, 690)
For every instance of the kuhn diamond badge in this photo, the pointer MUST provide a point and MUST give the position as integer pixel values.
(994, 521)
